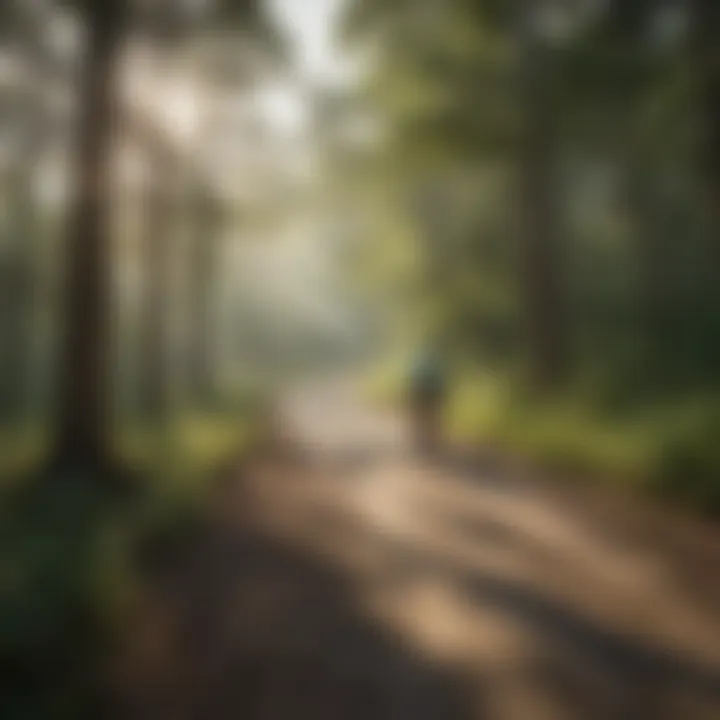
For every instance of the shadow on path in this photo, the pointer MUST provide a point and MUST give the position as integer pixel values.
(246, 620)
(592, 671)
(263, 630)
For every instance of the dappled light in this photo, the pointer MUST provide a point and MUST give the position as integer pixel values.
(359, 359)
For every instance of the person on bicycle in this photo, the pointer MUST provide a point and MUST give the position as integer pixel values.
(427, 393)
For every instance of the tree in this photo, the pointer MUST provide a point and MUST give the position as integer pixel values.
(543, 287)
(83, 405)
(206, 253)
(466, 111)
(34, 125)
(83, 433)
(226, 70)
(161, 213)
(705, 27)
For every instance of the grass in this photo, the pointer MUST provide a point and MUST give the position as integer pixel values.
(564, 433)
(184, 451)
(175, 458)
(668, 448)
(62, 559)
(180, 463)
(22, 450)
(68, 575)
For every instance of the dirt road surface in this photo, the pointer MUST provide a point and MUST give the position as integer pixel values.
(341, 578)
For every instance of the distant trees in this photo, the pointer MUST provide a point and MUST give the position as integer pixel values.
(704, 24)
(83, 417)
(490, 104)
(162, 201)
(543, 284)
(562, 97)
(32, 124)
(206, 262)
(511, 110)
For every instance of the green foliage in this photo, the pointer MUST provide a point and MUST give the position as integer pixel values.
(22, 451)
(181, 456)
(69, 555)
(619, 130)
(61, 558)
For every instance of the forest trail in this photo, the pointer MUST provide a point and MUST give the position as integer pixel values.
(343, 579)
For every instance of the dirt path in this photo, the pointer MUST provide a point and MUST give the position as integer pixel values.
(347, 580)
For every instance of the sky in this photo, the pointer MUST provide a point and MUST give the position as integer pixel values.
(308, 25)
(304, 277)
(316, 61)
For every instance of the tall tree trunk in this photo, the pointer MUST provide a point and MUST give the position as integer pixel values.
(84, 382)
(15, 302)
(542, 279)
(156, 378)
(652, 271)
(705, 50)
(205, 251)
(19, 263)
